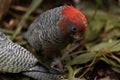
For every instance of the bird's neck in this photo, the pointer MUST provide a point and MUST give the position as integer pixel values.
(64, 29)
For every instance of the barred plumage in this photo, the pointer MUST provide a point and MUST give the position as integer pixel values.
(44, 31)
(16, 59)
(43, 76)
(54, 29)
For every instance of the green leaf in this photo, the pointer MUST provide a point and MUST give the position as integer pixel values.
(72, 72)
(83, 58)
(112, 23)
(94, 29)
(70, 69)
(82, 79)
(113, 34)
(110, 62)
(99, 2)
(113, 46)
(116, 69)
(114, 65)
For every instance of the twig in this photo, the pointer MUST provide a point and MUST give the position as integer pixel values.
(18, 16)
(78, 52)
(32, 7)
(93, 61)
(71, 50)
(19, 8)
(114, 57)
(6, 31)
(81, 41)
(24, 9)
(22, 43)
(95, 12)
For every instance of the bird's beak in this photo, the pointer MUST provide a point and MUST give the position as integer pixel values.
(77, 35)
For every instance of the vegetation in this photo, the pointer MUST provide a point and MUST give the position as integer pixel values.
(95, 57)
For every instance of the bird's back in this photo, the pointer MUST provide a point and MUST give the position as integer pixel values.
(44, 31)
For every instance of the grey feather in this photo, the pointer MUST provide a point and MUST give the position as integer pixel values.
(44, 31)
(41, 72)
(42, 76)
(16, 59)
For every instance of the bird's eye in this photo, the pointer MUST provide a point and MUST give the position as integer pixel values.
(74, 28)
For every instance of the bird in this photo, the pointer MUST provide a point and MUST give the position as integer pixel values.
(16, 59)
(54, 29)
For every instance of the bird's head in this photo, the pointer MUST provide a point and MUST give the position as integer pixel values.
(73, 21)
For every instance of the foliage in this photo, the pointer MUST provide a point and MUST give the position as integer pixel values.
(101, 41)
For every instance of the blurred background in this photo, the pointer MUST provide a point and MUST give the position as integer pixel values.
(96, 57)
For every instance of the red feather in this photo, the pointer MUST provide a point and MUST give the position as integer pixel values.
(75, 16)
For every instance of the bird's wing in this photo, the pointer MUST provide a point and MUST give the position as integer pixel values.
(15, 59)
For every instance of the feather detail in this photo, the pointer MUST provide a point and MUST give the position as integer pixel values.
(75, 16)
